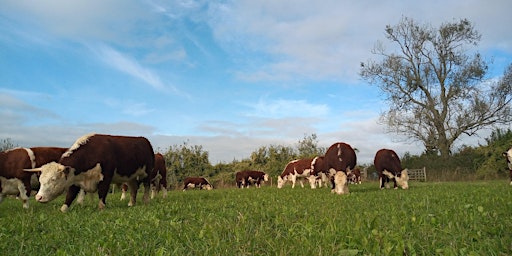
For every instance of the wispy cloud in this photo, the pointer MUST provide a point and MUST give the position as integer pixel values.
(286, 108)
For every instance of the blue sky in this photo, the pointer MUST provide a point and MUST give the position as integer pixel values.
(231, 76)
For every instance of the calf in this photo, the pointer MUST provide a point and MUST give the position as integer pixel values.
(196, 182)
(300, 168)
(388, 166)
(13, 180)
(245, 178)
(508, 156)
(95, 161)
(354, 177)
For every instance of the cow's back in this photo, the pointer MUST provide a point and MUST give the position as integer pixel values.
(12, 163)
(120, 153)
(44, 155)
(387, 159)
(340, 156)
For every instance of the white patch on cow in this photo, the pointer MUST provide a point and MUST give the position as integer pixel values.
(403, 180)
(207, 187)
(89, 179)
(191, 185)
(79, 142)
(340, 183)
(81, 197)
(31, 156)
(139, 174)
(64, 208)
(265, 177)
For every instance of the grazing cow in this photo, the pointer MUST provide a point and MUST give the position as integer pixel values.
(354, 177)
(318, 172)
(95, 161)
(159, 182)
(245, 178)
(339, 157)
(300, 168)
(13, 180)
(388, 166)
(196, 182)
(508, 155)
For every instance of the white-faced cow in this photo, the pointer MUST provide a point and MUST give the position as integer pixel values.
(339, 157)
(508, 155)
(388, 166)
(15, 181)
(95, 161)
(245, 178)
(196, 182)
(300, 169)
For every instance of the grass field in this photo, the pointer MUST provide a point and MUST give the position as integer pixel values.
(463, 218)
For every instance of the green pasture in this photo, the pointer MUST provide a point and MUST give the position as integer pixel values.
(456, 218)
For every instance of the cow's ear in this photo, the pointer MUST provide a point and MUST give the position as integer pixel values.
(390, 175)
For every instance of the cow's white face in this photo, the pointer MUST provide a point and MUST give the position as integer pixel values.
(312, 181)
(508, 155)
(55, 179)
(207, 187)
(281, 181)
(340, 183)
(402, 181)
(265, 177)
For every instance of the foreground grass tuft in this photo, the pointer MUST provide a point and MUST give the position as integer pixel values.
(430, 218)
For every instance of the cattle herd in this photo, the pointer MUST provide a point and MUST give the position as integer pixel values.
(97, 161)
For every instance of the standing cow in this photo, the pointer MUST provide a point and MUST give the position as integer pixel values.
(300, 168)
(95, 161)
(388, 166)
(196, 182)
(508, 155)
(159, 181)
(339, 159)
(13, 180)
(245, 178)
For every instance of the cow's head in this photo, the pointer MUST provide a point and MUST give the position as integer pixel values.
(508, 155)
(340, 183)
(312, 181)
(55, 179)
(265, 177)
(281, 181)
(207, 187)
(402, 179)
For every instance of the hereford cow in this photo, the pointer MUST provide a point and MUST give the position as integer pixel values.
(508, 155)
(301, 169)
(388, 166)
(196, 182)
(245, 178)
(354, 177)
(95, 161)
(159, 182)
(13, 180)
(339, 157)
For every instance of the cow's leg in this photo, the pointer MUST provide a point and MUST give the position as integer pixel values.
(81, 197)
(25, 189)
(147, 191)
(124, 188)
(133, 187)
(510, 176)
(294, 179)
(70, 197)
(382, 180)
(103, 187)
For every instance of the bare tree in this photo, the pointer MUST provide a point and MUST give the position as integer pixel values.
(435, 86)
(6, 144)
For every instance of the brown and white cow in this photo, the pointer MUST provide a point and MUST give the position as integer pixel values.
(354, 177)
(245, 178)
(300, 168)
(15, 181)
(508, 155)
(95, 161)
(339, 157)
(196, 182)
(388, 166)
(159, 182)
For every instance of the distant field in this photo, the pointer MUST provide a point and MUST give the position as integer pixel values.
(462, 218)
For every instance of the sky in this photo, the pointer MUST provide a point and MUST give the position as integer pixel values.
(231, 76)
